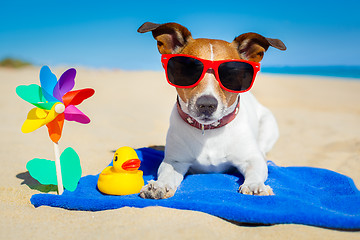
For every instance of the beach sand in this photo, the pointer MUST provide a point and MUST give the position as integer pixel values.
(319, 127)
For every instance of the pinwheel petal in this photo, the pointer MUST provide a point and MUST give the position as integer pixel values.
(72, 113)
(78, 96)
(33, 94)
(65, 83)
(35, 119)
(48, 81)
(55, 128)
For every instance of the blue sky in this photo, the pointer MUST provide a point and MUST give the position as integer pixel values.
(103, 34)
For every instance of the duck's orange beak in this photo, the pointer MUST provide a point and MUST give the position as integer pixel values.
(131, 165)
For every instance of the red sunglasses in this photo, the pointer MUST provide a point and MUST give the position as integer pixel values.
(185, 71)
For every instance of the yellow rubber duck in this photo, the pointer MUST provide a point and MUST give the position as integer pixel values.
(123, 177)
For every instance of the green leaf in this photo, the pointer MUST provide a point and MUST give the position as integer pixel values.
(70, 168)
(42, 170)
(45, 171)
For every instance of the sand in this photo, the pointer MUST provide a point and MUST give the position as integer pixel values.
(318, 119)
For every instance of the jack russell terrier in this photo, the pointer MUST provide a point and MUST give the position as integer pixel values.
(215, 124)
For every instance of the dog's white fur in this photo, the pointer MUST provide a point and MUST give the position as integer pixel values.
(242, 143)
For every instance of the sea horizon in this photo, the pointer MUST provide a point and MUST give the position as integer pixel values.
(352, 72)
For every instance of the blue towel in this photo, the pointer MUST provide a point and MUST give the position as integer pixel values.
(303, 195)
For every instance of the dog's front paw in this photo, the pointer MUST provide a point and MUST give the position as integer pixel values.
(156, 190)
(256, 189)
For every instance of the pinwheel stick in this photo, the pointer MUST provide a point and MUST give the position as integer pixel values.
(59, 108)
(58, 169)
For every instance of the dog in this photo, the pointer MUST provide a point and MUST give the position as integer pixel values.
(216, 123)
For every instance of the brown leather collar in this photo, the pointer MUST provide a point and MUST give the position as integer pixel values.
(220, 123)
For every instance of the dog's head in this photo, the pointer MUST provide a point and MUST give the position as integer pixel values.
(207, 102)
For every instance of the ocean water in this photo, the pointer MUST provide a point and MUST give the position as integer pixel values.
(328, 71)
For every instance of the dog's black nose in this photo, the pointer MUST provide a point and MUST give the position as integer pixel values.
(206, 105)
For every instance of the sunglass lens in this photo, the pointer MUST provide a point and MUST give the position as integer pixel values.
(236, 76)
(184, 71)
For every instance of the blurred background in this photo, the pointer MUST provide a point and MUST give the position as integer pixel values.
(103, 34)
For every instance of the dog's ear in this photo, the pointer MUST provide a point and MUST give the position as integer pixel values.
(171, 37)
(252, 46)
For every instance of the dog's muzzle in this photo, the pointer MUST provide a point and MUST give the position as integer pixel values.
(220, 123)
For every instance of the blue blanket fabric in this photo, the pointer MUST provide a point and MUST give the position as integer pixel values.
(303, 195)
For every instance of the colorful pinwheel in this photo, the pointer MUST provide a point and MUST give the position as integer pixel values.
(54, 102)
